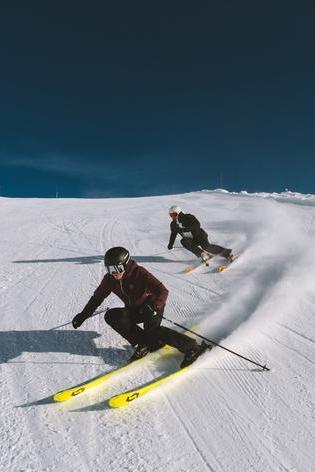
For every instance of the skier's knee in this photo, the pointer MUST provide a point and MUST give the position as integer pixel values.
(116, 317)
(109, 316)
(162, 333)
(183, 242)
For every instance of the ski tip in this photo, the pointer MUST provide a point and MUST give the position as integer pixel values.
(115, 403)
(68, 394)
(122, 400)
(59, 397)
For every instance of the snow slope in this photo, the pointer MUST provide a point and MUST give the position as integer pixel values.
(225, 414)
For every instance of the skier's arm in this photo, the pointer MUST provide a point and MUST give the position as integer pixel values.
(97, 298)
(174, 231)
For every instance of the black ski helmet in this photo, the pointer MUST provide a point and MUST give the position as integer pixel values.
(116, 259)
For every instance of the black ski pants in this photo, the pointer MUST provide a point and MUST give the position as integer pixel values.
(126, 320)
(197, 245)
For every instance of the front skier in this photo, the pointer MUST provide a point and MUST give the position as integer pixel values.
(194, 238)
(144, 297)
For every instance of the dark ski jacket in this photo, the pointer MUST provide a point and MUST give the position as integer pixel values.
(187, 226)
(137, 287)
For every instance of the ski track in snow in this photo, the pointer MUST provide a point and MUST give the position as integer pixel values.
(225, 414)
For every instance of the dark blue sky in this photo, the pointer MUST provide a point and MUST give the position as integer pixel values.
(131, 98)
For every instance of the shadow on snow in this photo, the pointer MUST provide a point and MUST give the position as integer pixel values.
(92, 260)
(14, 343)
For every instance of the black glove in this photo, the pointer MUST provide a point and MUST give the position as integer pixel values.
(148, 310)
(170, 246)
(78, 320)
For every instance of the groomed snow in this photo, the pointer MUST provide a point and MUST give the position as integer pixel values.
(226, 415)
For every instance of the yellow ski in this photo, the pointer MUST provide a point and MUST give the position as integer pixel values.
(124, 399)
(223, 267)
(72, 392)
(196, 266)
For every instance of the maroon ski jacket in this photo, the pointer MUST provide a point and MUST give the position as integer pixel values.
(138, 286)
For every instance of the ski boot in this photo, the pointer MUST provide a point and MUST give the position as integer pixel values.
(228, 255)
(205, 257)
(156, 346)
(193, 354)
(140, 351)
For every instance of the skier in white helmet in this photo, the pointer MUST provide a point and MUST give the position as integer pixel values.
(194, 238)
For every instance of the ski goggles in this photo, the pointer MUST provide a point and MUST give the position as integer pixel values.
(115, 269)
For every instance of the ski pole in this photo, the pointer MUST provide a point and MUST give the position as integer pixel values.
(70, 322)
(264, 367)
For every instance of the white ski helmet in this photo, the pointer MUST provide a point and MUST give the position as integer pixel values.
(174, 209)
